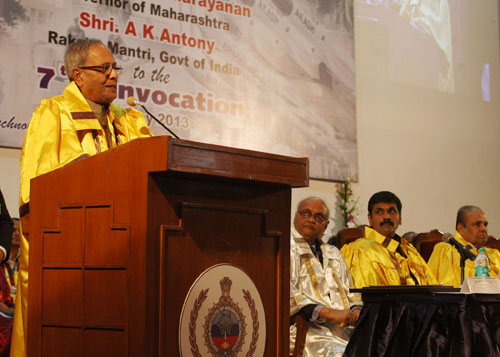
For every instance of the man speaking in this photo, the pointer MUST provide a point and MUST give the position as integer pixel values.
(63, 129)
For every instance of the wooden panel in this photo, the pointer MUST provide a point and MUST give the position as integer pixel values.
(105, 343)
(233, 223)
(62, 296)
(106, 245)
(61, 342)
(64, 247)
(106, 297)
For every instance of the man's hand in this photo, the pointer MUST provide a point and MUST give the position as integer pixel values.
(346, 316)
(356, 313)
(6, 309)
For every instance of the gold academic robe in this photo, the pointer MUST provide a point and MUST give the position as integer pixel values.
(445, 262)
(373, 260)
(61, 130)
(327, 285)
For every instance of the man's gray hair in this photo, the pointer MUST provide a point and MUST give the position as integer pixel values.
(77, 52)
(462, 213)
(316, 199)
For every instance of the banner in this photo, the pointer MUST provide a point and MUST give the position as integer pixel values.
(274, 76)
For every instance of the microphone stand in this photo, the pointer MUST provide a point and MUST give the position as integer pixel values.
(463, 258)
(464, 252)
(159, 122)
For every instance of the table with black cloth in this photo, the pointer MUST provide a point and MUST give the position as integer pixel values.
(427, 324)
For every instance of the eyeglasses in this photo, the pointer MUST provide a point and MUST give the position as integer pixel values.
(306, 214)
(105, 68)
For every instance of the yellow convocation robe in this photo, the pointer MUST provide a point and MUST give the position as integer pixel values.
(62, 129)
(445, 262)
(373, 260)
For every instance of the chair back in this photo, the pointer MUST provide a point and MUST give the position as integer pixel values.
(425, 242)
(493, 243)
(348, 235)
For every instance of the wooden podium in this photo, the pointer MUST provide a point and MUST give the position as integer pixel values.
(117, 240)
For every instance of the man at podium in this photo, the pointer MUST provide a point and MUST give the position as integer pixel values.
(382, 257)
(319, 283)
(66, 128)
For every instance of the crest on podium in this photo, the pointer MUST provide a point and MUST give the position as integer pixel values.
(223, 315)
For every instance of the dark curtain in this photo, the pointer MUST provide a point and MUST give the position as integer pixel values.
(405, 325)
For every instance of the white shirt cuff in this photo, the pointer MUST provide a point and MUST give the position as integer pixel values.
(315, 313)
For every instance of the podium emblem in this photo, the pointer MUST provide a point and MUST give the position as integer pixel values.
(224, 324)
(222, 316)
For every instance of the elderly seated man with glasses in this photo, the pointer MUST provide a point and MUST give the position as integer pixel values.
(319, 284)
(80, 122)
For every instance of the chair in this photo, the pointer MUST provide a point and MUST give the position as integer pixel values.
(493, 243)
(348, 235)
(300, 339)
(425, 242)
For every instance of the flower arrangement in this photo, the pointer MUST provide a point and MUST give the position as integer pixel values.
(348, 204)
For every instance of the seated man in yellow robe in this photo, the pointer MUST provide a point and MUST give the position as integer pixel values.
(319, 284)
(80, 122)
(382, 257)
(472, 233)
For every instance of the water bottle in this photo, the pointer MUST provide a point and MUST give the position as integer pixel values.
(482, 264)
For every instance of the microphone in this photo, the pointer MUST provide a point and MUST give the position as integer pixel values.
(448, 238)
(132, 102)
